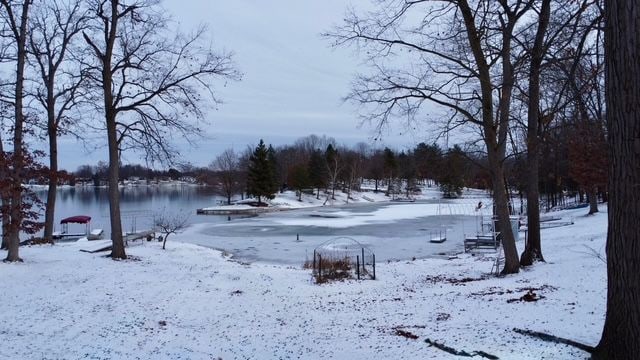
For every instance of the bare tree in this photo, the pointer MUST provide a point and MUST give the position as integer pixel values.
(14, 16)
(588, 158)
(54, 25)
(560, 26)
(148, 84)
(587, 145)
(452, 53)
(5, 198)
(533, 247)
(170, 224)
(226, 166)
(622, 323)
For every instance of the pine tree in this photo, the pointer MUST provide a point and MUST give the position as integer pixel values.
(453, 173)
(428, 161)
(317, 170)
(260, 179)
(299, 179)
(273, 168)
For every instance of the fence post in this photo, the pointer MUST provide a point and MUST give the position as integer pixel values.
(358, 266)
(374, 266)
(314, 260)
(363, 269)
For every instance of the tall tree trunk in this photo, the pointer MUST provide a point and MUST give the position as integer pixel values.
(5, 201)
(15, 208)
(593, 200)
(53, 166)
(533, 247)
(5, 226)
(333, 190)
(117, 249)
(622, 51)
(511, 261)
(111, 30)
(51, 191)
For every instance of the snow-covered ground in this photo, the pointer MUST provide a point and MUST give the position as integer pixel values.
(191, 302)
(289, 199)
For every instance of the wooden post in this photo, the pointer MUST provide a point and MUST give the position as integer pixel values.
(363, 270)
(314, 260)
(374, 266)
(358, 266)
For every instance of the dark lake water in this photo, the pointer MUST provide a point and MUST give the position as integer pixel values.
(138, 204)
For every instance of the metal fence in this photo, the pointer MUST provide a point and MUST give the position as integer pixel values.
(342, 258)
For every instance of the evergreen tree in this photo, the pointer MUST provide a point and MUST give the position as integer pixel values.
(260, 179)
(453, 172)
(299, 179)
(428, 161)
(273, 168)
(317, 169)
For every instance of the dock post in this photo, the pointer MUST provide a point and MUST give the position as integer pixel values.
(374, 266)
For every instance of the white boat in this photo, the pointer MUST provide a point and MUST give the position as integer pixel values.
(95, 234)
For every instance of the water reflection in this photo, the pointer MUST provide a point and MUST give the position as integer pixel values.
(137, 204)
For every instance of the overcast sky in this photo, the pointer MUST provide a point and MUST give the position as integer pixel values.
(293, 81)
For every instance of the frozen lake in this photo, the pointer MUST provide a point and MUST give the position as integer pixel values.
(394, 231)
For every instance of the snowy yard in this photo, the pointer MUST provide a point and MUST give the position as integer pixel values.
(191, 302)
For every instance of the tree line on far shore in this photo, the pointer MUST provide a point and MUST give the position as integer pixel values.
(316, 164)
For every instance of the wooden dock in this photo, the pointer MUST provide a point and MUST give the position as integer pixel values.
(249, 211)
(139, 235)
(482, 241)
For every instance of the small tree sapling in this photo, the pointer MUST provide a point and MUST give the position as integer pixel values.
(168, 224)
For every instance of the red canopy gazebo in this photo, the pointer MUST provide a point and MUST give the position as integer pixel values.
(78, 219)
